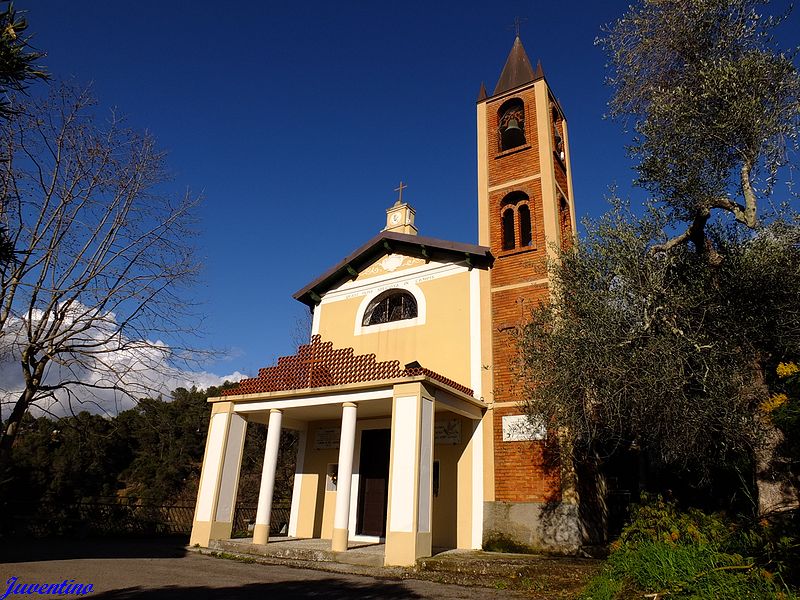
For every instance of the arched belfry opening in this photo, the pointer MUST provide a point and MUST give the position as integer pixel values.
(511, 124)
(517, 226)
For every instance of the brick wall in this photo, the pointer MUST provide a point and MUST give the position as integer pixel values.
(524, 471)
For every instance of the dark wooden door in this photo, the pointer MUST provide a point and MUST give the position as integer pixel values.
(373, 487)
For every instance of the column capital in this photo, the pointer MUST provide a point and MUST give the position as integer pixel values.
(349, 404)
(275, 410)
(221, 407)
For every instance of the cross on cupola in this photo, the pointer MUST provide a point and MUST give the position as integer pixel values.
(400, 216)
(400, 189)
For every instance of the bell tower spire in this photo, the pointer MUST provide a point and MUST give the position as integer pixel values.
(517, 70)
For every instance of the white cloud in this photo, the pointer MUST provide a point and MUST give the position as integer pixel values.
(103, 360)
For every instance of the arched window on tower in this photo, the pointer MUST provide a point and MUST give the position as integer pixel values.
(391, 305)
(511, 124)
(525, 232)
(508, 228)
(516, 221)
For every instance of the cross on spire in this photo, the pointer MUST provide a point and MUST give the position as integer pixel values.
(517, 22)
(400, 189)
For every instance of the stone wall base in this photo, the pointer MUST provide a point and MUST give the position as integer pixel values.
(554, 527)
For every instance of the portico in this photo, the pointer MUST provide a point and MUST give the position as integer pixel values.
(371, 457)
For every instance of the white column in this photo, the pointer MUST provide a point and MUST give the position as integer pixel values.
(216, 495)
(341, 516)
(297, 488)
(261, 531)
(477, 483)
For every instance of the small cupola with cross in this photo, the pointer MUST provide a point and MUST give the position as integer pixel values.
(400, 216)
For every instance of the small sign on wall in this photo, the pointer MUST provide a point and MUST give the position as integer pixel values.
(327, 438)
(447, 432)
(520, 428)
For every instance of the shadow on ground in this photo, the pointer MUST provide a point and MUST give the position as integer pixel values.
(35, 550)
(331, 589)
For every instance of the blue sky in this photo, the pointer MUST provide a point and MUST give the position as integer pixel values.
(297, 120)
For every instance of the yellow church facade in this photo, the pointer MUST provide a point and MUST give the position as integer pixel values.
(409, 431)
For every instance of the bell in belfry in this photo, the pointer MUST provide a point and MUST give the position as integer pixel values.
(513, 134)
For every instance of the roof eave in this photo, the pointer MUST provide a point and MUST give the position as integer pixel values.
(388, 242)
(353, 387)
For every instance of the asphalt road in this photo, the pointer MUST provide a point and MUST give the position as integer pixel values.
(144, 570)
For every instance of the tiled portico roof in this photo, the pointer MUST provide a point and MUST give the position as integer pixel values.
(319, 364)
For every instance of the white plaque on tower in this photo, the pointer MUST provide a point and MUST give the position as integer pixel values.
(520, 428)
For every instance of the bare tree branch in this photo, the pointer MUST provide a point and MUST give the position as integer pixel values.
(103, 257)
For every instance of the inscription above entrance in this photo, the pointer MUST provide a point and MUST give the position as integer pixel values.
(447, 432)
(327, 438)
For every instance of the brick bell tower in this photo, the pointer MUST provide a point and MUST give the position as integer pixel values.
(525, 211)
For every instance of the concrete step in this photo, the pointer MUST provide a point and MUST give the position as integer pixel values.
(356, 557)
(368, 556)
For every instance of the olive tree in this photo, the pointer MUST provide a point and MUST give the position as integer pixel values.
(714, 105)
(662, 350)
(663, 329)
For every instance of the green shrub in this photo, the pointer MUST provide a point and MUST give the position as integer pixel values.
(774, 542)
(685, 555)
(658, 520)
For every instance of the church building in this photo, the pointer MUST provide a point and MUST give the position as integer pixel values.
(406, 399)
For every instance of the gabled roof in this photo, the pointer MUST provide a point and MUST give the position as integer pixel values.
(387, 242)
(517, 70)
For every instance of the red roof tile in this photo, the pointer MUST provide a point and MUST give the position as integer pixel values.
(319, 364)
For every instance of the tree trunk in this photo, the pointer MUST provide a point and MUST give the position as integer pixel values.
(9, 433)
(773, 476)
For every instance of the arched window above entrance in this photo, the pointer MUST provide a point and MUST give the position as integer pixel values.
(391, 305)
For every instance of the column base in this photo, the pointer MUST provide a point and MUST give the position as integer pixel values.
(339, 540)
(203, 532)
(261, 534)
(403, 549)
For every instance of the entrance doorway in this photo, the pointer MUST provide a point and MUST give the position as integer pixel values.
(373, 482)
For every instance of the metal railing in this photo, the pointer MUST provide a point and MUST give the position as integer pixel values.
(121, 517)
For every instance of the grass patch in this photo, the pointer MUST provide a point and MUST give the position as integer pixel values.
(683, 571)
(236, 557)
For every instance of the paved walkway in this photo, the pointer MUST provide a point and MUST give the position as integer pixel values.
(145, 570)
